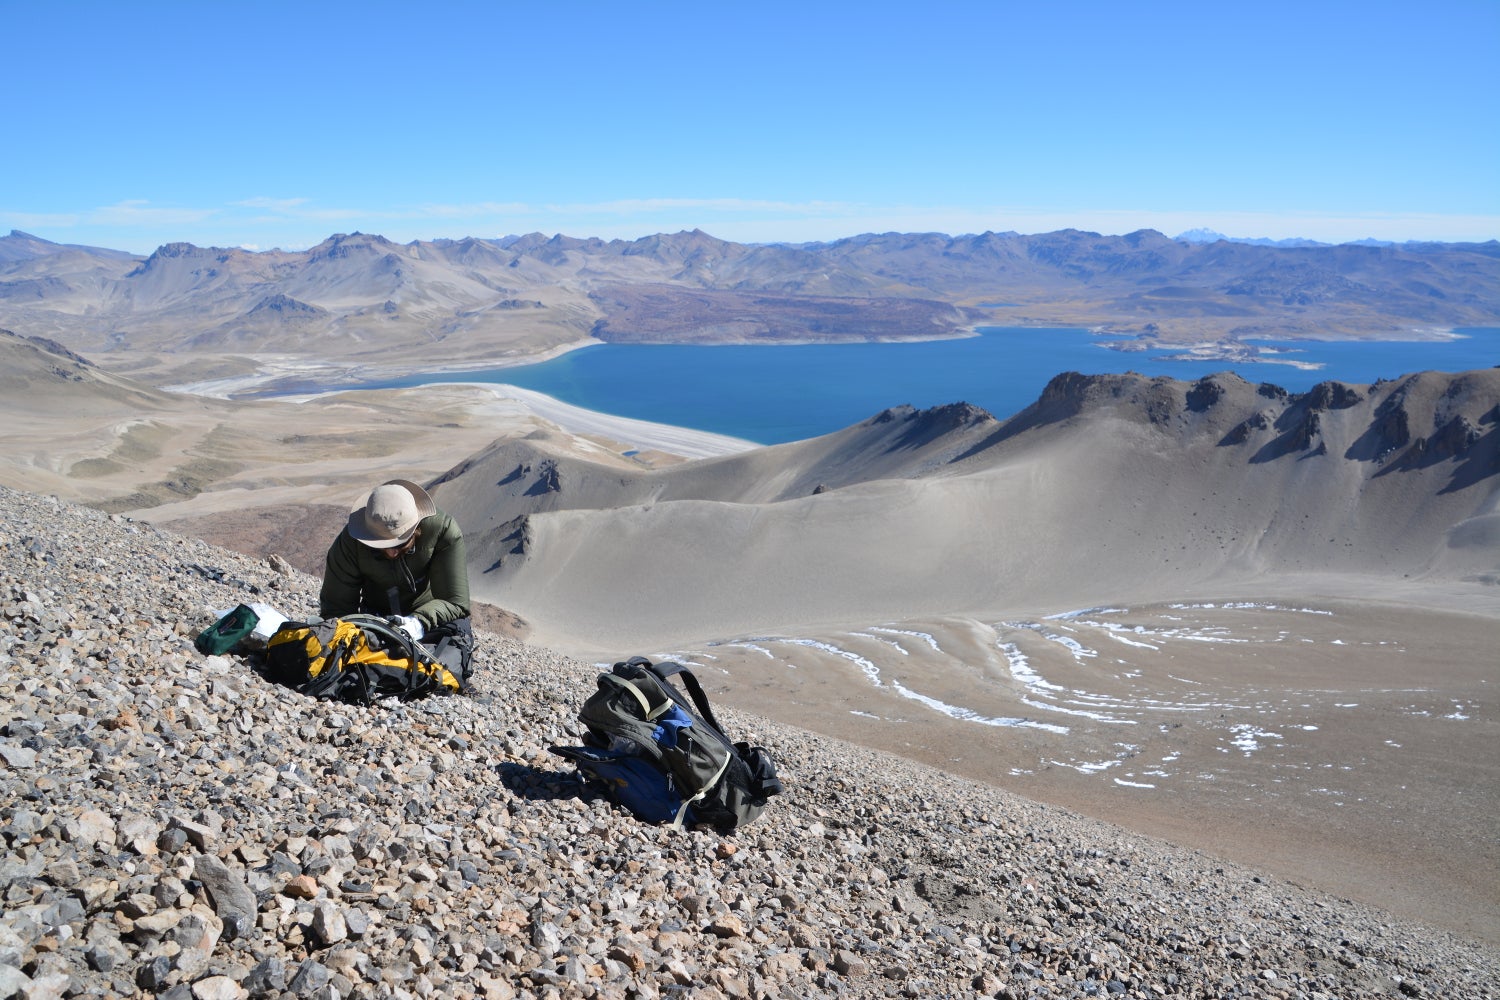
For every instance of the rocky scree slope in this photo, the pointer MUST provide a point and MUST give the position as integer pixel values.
(175, 826)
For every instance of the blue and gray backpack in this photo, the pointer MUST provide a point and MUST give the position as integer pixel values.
(664, 758)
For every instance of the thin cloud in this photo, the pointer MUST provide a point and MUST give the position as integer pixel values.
(477, 210)
(42, 220)
(649, 206)
(143, 213)
(286, 206)
(298, 209)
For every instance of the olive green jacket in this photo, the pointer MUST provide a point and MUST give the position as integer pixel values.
(431, 582)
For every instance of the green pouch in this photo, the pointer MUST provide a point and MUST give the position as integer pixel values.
(226, 633)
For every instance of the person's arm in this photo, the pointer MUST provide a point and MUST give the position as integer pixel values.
(448, 580)
(341, 579)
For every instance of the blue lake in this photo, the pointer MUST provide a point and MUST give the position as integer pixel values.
(772, 394)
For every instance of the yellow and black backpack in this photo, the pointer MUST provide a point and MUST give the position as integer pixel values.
(358, 658)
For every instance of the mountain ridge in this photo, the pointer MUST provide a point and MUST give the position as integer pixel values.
(399, 305)
(1327, 453)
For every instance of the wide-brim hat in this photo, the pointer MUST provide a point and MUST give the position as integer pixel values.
(390, 516)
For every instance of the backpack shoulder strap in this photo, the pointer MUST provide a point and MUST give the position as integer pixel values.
(694, 689)
(760, 771)
(385, 631)
(402, 644)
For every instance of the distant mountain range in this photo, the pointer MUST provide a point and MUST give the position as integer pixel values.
(367, 303)
(1210, 236)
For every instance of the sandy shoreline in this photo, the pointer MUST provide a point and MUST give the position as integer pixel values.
(279, 368)
(641, 434)
(638, 434)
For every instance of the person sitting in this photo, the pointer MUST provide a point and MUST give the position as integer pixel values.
(402, 558)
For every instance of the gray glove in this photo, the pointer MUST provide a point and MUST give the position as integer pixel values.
(410, 625)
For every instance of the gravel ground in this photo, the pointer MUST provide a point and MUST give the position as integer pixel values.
(176, 826)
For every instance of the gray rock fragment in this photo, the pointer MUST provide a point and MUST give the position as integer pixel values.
(310, 978)
(12, 980)
(328, 925)
(17, 757)
(267, 978)
(232, 899)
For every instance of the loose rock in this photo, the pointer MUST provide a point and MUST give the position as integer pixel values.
(176, 826)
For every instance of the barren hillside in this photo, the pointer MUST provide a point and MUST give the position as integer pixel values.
(177, 826)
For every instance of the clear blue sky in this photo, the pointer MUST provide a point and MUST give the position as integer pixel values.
(265, 124)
